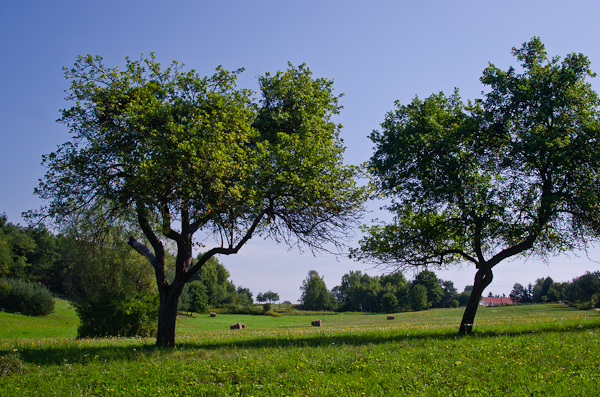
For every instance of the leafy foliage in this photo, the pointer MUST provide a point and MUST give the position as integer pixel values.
(120, 314)
(361, 292)
(193, 154)
(434, 290)
(315, 295)
(417, 297)
(114, 294)
(515, 173)
(268, 296)
(585, 290)
(24, 297)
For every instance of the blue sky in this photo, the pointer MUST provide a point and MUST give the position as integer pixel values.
(377, 52)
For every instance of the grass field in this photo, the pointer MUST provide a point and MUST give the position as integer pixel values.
(536, 350)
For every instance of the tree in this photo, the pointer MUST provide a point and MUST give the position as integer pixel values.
(215, 278)
(358, 292)
(417, 296)
(315, 295)
(192, 155)
(429, 280)
(513, 174)
(268, 296)
(585, 290)
(520, 294)
(537, 292)
(396, 284)
(244, 296)
(15, 247)
(450, 293)
(389, 302)
(260, 298)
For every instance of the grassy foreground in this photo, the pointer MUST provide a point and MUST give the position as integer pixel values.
(518, 351)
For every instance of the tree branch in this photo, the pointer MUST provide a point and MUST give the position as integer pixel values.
(226, 251)
(142, 249)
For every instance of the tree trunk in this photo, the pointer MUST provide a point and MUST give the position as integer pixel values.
(167, 316)
(483, 278)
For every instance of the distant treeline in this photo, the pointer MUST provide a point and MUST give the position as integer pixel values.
(392, 292)
(387, 293)
(583, 292)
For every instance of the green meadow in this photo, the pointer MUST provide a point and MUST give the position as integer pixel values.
(530, 350)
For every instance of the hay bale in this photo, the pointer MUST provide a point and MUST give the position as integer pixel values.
(213, 314)
(244, 326)
(316, 323)
(391, 317)
(235, 326)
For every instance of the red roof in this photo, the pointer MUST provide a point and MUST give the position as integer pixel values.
(497, 301)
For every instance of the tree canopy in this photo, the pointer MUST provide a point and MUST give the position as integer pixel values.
(514, 173)
(315, 295)
(189, 154)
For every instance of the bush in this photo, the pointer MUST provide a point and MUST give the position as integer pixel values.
(237, 309)
(17, 296)
(117, 315)
(267, 307)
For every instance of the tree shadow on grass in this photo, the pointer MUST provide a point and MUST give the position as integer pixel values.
(96, 352)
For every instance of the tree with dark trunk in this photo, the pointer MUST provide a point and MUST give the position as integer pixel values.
(516, 173)
(192, 155)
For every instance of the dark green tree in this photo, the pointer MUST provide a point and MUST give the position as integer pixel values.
(450, 293)
(15, 247)
(520, 294)
(358, 292)
(260, 298)
(244, 296)
(396, 284)
(516, 173)
(270, 296)
(585, 290)
(417, 296)
(429, 280)
(315, 295)
(389, 303)
(193, 155)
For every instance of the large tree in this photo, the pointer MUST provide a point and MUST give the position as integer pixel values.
(516, 173)
(315, 295)
(195, 156)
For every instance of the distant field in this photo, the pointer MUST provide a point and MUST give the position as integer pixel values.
(540, 350)
(63, 322)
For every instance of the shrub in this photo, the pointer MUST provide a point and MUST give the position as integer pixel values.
(117, 315)
(238, 309)
(267, 307)
(18, 296)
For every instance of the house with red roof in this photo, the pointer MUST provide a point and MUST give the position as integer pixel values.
(495, 301)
